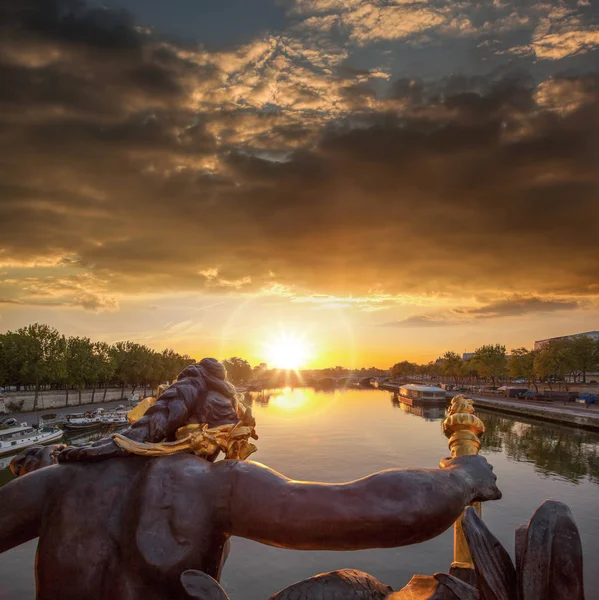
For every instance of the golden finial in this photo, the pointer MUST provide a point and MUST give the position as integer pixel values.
(464, 430)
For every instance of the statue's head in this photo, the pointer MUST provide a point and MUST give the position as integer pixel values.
(207, 366)
(218, 404)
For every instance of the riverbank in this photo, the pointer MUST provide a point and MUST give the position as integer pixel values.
(55, 399)
(33, 418)
(573, 415)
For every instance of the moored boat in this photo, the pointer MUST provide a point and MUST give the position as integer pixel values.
(98, 419)
(15, 439)
(411, 393)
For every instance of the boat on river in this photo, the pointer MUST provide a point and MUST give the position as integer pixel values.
(17, 438)
(411, 393)
(97, 419)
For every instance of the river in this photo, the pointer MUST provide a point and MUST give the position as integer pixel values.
(347, 434)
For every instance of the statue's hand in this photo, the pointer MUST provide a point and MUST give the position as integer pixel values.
(478, 473)
(34, 458)
(91, 452)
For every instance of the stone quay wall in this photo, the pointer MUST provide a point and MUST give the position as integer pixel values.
(58, 398)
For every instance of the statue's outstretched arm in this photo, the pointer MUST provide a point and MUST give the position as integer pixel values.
(22, 501)
(391, 508)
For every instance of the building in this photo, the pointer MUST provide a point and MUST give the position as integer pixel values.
(594, 335)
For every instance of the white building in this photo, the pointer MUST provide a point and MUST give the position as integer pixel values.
(594, 335)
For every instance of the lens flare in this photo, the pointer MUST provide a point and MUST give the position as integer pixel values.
(288, 351)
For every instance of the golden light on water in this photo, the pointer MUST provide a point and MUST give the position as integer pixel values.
(288, 351)
(292, 399)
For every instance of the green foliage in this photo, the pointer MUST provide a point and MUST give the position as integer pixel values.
(79, 362)
(555, 361)
(259, 371)
(238, 369)
(490, 361)
(39, 355)
(559, 360)
(431, 369)
(469, 369)
(103, 368)
(585, 355)
(36, 356)
(520, 364)
(452, 365)
(404, 368)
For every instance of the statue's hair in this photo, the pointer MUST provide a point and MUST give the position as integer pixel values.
(200, 389)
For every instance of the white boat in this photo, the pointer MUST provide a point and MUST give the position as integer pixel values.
(15, 439)
(97, 419)
(421, 394)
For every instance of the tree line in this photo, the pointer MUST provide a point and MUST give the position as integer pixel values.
(40, 358)
(239, 371)
(557, 361)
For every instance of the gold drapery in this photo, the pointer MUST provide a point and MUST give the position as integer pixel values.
(200, 440)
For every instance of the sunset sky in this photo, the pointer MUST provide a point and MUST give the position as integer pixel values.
(386, 179)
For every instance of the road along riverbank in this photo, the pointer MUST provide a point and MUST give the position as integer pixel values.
(572, 415)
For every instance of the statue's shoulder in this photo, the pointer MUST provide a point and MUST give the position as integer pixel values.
(177, 466)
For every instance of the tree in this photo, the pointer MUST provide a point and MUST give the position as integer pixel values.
(469, 370)
(79, 364)
(452, 365)
(38, 355)
(10, 359)
(172, 364)
(152, 371)
(103, 367)
(585, 355)
(521, 365)
(403, 369)
(490, 361)
(431, 370)
(259, 371)
(238, 369)
(554, 361)
(41, 352)
(129, 360)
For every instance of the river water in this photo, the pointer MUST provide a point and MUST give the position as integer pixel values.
(347, 434)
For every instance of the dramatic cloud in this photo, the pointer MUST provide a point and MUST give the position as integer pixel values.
(515, 306)
(562, 33)
(381, 20)
(518, 306)
(134, 164)
(418, 321)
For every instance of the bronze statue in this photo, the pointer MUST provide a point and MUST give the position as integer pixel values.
(146, 520)
(160, 523)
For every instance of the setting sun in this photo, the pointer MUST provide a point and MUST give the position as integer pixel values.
(288, 351)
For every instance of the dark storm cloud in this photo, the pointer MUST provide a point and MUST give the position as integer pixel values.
(156, 167)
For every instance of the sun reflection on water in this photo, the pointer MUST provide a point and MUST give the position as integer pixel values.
(298, 399)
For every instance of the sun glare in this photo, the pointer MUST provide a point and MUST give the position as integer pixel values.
(288, 351)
